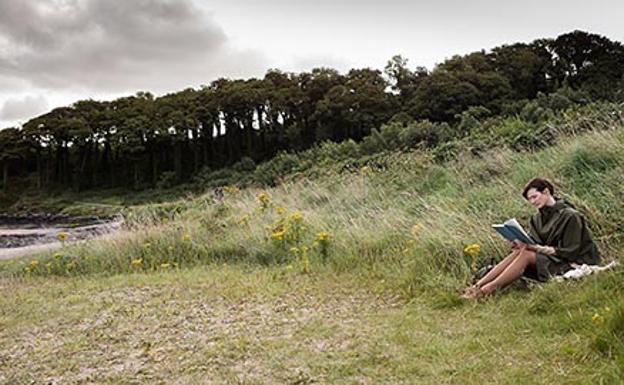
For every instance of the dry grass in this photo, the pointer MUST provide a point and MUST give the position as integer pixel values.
(232, 324)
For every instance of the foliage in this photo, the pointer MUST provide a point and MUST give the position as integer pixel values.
(218, 134)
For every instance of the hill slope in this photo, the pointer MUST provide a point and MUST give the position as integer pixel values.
(352, 278)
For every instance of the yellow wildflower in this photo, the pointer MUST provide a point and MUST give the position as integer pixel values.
(473, 249)
(607, 309)
(322, 236)
(186, 237)
(264, 198)
(147, 245)
(297, 216)
(366, 169)
(416, 229)
(137, 262)
(34, 263)
(62, 236)
(243, 220)
(231, 189)
(598, 319)
(280, 210)
(278, 234)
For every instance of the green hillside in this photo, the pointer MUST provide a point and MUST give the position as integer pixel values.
(338, 275)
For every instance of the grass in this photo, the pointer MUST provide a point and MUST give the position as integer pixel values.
(242, 324)
(246, 290)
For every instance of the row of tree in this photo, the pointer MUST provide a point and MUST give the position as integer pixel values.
(138, 140)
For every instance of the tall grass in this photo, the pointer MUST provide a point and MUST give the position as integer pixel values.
(408, 222)
(401, 229)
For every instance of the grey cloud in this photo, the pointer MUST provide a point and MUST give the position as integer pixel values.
(14, 109)
(102, 45)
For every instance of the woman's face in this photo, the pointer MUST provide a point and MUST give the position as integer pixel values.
(538, 198)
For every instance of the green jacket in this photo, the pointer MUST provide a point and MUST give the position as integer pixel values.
(564, 228)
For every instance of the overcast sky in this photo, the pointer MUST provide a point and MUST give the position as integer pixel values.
(54, 52)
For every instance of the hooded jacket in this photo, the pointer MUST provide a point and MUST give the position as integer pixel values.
(565, 229)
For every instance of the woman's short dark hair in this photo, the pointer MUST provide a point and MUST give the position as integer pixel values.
(540, 184)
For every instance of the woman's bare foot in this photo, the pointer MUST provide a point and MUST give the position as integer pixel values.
(472, 292)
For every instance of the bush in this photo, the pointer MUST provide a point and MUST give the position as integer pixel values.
(534, 112)
(166, 180)
(533, 139)
(245, 164)
(269, 173)
(329, 152)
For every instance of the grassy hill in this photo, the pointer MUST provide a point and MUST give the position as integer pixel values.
(348, 278)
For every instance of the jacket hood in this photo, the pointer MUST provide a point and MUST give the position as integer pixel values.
(560, 204)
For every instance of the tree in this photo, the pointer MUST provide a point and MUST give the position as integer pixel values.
(403, 81)
(441, 96)
(526, 67)
(369, 106)
(176, 122)
(590, 61)
(12, 149)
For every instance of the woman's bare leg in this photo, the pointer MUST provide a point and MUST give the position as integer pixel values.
(498, 269)
(513, 271)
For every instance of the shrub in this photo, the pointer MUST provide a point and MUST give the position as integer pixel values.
(166, 179)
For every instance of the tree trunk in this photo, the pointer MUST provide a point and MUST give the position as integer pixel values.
(5, 176)
(39, 171)
(154, 164)
(135, 164)
(177, 161)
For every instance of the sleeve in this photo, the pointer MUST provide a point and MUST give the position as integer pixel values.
(533, 233)
(569, 244)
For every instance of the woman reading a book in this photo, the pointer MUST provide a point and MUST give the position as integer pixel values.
(562, 239)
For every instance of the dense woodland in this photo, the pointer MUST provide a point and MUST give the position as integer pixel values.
(142, 141)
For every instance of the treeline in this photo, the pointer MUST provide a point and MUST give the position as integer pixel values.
(142, 141)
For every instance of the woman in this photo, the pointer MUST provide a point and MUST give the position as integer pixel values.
(562, 237)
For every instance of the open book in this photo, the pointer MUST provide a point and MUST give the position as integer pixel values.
(512, 231)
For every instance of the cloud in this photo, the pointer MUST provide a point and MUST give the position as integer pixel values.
(116, 46)
(14, 109)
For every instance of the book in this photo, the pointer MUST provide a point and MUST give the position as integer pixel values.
(512, 231)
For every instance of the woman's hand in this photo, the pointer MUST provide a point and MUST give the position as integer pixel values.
(517, 245)
(548, 250)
